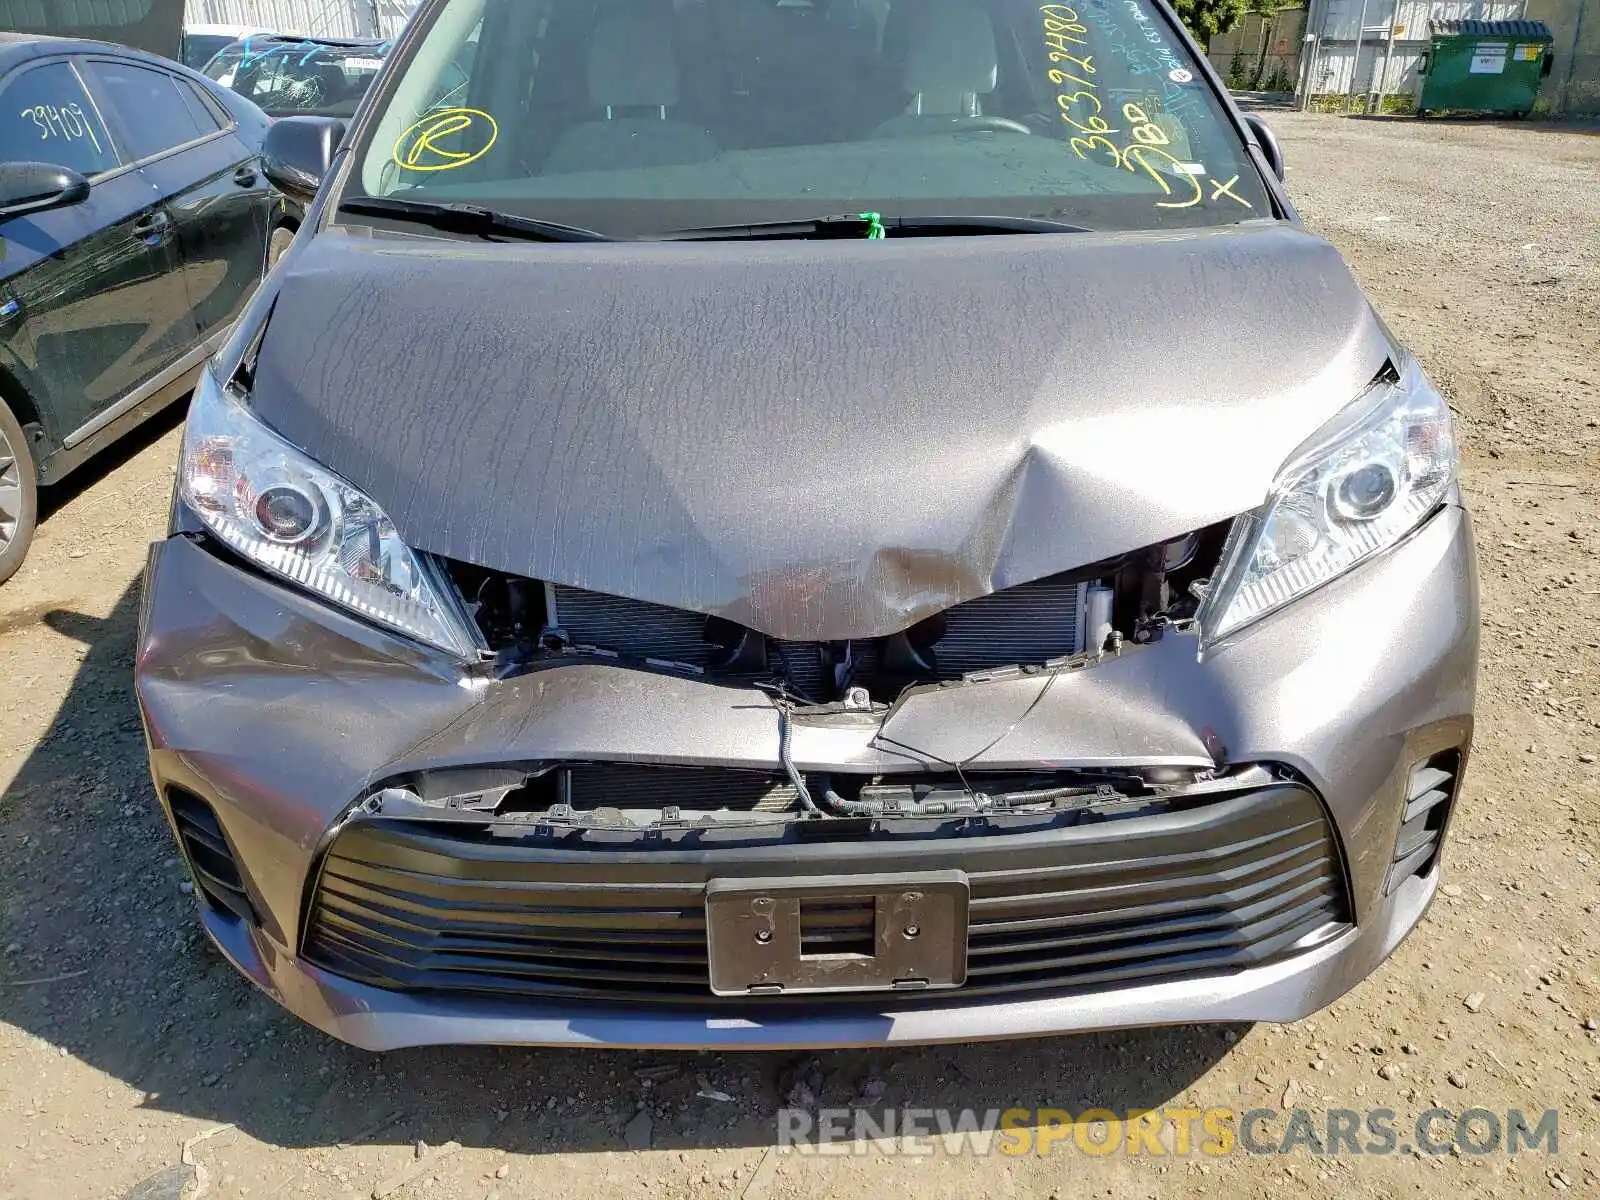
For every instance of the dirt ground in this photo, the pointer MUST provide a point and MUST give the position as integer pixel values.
(123, 1035)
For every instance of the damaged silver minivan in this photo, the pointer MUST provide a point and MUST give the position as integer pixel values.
(757, 523)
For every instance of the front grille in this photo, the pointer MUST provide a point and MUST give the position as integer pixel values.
(696, 789)
(1430, 791)
(428, 906)
(211, 859)
(1028, 624)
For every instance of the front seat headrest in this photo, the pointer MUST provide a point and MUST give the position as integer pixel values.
(951, 51)
(632, 63)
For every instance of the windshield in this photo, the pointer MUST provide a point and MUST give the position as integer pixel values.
(299, 78)
(636, 117)
(199, 47)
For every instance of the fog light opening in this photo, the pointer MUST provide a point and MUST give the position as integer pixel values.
(1430, 795)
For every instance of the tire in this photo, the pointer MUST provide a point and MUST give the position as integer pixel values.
(281, 238)
(1421, 112)
(19, 496)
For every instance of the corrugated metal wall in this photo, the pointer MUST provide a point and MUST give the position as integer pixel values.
(324, 18)
(1335, 65)
(1573, 87)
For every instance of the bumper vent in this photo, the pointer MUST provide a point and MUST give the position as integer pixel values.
(1429, 797)
(210, 858)
(425, 906)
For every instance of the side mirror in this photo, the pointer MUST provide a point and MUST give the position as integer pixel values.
(298, 153)
(30, 187)
(1268, 141)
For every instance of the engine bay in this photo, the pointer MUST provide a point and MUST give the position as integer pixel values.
(528, 624)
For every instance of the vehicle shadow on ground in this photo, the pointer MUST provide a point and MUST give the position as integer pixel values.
(105, 959)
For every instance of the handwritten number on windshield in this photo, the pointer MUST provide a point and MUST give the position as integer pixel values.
(1146, 151)
(1097, 123)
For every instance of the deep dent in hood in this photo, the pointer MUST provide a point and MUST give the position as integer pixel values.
(816, 439)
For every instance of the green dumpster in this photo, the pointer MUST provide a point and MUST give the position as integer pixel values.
(1484, 66)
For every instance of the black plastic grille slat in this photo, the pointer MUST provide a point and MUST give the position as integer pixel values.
(424, 906)
(210, 858)
(1162, 943)
(1325, 886)
(1429, 779)
(1423, 803)
(1429, 794)
(1139, 915)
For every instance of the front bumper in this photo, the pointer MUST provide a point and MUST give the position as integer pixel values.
(279, 713)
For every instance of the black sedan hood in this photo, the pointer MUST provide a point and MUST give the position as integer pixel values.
(814, 439)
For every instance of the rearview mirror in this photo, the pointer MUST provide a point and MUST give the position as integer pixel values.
(1268, 141)
(299, 151)
(30, 187)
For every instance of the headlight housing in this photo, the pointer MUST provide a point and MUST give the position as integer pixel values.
(289, 514)
(1356, 488)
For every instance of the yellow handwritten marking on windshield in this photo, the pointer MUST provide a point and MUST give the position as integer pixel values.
(1140, 154)
(1219, 190)
(1082, 110)
(1144, 129)
(419, 148)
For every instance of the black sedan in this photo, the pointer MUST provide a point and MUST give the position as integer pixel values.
(134, 224)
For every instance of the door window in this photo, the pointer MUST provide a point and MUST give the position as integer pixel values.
(154, 115)
(204, 113)
(46, 116)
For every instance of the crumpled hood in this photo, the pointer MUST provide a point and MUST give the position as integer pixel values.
(822, 439)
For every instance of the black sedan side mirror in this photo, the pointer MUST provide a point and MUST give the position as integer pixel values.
(1268, 141)
(298, 153)
(30, 187)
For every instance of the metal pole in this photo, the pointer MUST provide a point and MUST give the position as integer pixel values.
(1388, 60)
(1302, 85)
(1355, 61)
(1308, 71)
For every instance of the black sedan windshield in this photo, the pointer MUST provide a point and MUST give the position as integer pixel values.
(638, 117)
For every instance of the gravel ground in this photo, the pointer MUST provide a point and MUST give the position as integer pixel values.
(123, 1036)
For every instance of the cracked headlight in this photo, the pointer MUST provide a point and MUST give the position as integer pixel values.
(287, 513)
(1362, 483)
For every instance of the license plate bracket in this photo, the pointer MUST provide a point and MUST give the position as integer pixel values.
(837, 933)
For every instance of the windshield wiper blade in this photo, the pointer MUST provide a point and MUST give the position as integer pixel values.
(858, 225)
(469, 219)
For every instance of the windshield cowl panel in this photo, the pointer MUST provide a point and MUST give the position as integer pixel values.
(633, 118)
